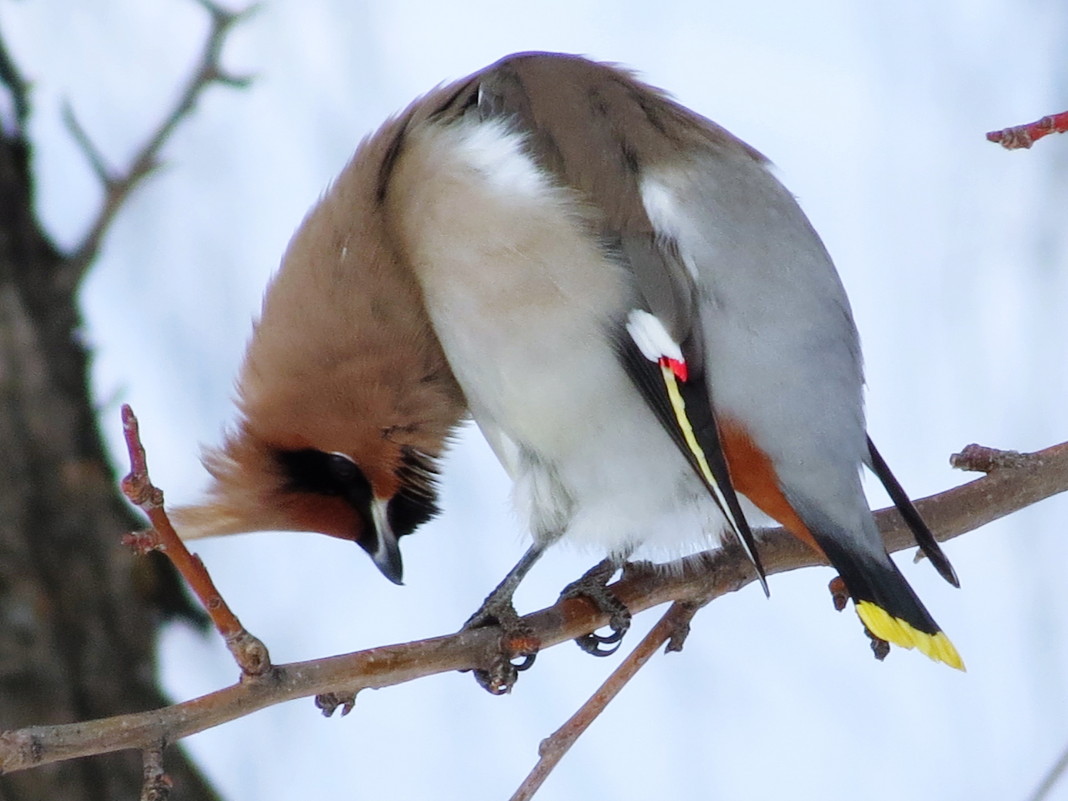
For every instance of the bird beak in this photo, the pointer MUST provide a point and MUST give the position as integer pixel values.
(386, 555)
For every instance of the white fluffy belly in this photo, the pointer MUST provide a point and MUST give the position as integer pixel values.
(524, 302)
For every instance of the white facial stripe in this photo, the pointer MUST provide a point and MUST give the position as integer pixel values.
(651, 337)
(380, 517)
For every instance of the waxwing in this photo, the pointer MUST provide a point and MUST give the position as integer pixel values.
(637, 314)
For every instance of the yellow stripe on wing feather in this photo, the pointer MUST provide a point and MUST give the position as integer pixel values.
(678, 405)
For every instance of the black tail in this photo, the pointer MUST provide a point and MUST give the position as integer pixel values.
(887, 604)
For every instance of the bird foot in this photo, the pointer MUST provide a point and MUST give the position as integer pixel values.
(880, 648)
(517, 646)
(840, 596)
(839, 593)
(593, 586)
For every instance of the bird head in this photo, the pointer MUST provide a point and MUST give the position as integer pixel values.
(345, 398)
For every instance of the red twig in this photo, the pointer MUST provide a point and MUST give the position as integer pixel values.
(250, 653)
(1023, 136)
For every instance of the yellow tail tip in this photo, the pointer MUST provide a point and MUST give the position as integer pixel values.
(895, 630)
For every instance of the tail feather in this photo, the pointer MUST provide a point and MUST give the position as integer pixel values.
(924, 538)
(886, 627)
(887, 605)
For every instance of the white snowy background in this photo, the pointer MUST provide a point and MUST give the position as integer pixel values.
(955, 253)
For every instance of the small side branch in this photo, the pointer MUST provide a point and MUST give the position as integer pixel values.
(249, 652)
(1023, 136)
(157, 784)
(118, 185)
(553, 747)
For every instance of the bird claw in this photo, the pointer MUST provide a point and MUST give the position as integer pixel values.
(593, 586)
(517, 642)
(592, 643)
(840, 596)
(502, 674)
(839, 593)
(880, 648)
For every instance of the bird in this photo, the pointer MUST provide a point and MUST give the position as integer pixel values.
(633, 309)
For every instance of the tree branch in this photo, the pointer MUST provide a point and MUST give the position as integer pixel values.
(1014, 482)
(118, 186)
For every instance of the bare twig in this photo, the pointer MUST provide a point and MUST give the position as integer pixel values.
(157, 784)
(1050, 780)
(250, 653)
(93, 156)
(1023, 136)
(694, 580)
(118, 185)
(981, 459)
(18, 89)
(553, 747)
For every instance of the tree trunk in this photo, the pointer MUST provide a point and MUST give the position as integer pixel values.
(77, 615)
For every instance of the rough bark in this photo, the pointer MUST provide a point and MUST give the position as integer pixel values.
(77, 615)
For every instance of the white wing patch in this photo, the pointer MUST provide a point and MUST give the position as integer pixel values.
(662, 206)
(496, 152)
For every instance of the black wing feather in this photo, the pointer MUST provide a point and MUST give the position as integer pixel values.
(647, 377)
